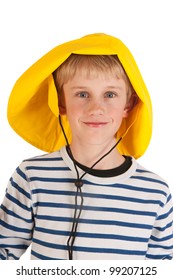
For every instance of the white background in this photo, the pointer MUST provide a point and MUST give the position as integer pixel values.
(30, 28)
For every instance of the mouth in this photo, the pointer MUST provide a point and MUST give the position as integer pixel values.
(96, 124)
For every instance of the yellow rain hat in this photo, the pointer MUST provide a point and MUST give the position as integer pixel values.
(33, 104)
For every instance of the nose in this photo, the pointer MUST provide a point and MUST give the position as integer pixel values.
(96, 107)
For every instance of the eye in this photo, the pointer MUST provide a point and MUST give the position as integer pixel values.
(110, 94)
(83, 94)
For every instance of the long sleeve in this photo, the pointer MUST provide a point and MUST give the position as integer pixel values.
(16, 217)
(161, 241)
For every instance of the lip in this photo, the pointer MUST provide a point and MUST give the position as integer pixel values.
(95, 124)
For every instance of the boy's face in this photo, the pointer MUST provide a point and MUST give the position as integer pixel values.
(95, 107)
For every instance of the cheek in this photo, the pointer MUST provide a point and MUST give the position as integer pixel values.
(73, 112)
(71, 108)
(117, 112)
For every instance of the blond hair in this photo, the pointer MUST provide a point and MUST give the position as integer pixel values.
(90, 65)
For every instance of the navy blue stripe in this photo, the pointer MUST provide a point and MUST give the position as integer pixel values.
(120, 186)
(93, 235)
(162, 239)
(52, 180)
(14, 228)
(143, 171)
(160, 246)
(13, 214)
(101, 196)
(165, 227)
(20, 172)
(158, 257)
(46, 168)
(16, 246)
(92, 208)
(110, 251)
(134, 188)
(2, 257)
(149, 179)
(169, 198)
(42, 257)
(19, 189)
(165, 215)
(10, 255)
(93, 222)
(90, 249)
(44, 159)
(17, 202)
(167, 258)
(50, 245)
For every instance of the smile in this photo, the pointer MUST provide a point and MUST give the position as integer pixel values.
(96, 124)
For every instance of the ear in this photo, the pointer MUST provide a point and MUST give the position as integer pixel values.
(131, 103)
(61, 104)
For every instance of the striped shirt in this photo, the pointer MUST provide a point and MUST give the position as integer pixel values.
(129, 216)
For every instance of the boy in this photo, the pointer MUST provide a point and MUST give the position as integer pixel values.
(86, 104)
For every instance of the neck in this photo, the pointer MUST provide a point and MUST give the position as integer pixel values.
(89, 154)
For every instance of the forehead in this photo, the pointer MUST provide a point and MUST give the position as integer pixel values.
(94, 66)
(97, 81)
(90, 65)
(93, 73)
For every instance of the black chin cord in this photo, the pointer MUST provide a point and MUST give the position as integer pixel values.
(79, 183)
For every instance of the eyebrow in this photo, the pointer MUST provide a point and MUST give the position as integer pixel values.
(78, 87)
(107, 87)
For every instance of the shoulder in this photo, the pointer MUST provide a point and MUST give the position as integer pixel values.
(44, 157)
(41, 161)
(151, 180)
(149, 175)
